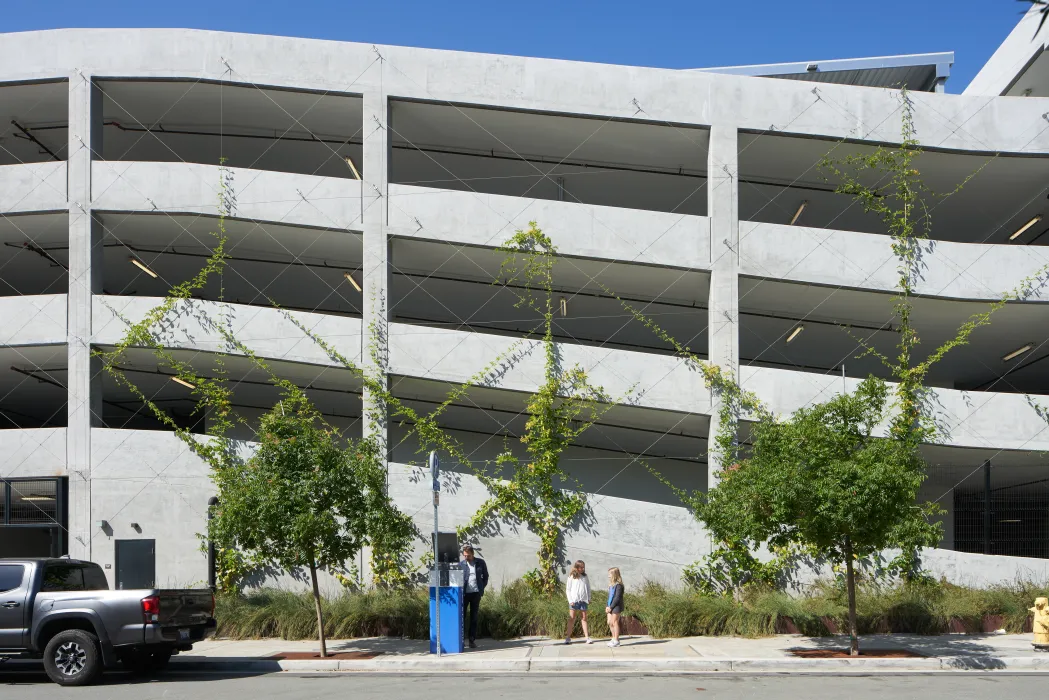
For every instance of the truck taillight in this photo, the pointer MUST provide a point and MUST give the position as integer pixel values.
(212, 606)
(151, 609)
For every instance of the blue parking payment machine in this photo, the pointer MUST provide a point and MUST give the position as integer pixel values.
(446, 581)
(446, 610)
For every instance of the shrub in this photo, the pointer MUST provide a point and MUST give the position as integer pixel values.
(517, 610)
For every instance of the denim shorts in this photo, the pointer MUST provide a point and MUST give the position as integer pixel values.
(579, 606)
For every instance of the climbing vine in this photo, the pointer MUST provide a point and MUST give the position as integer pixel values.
(389, 530)
(905, 204)
(533, 491)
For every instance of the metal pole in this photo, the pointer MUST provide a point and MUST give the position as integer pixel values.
(437, 572)
(435, 473)
(987, 507)
(212, 502)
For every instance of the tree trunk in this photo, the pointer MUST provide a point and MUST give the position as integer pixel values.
(850, 585)
(317, 603)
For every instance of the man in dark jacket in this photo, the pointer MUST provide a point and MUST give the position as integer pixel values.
(475, 578)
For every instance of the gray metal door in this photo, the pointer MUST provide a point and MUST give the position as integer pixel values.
(12, 605)
(136, 564)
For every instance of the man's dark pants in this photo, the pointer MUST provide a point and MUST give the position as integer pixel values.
(471, 601)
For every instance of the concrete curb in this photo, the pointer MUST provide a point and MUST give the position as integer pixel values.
(455, 664)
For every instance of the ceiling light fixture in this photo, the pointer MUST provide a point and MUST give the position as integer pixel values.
(183, 382)
(142, 266)
(1017, 352)
(352, 281)
(797, 214)
(349, 162)
(1026, 226)
(794, 333)
(33, 499)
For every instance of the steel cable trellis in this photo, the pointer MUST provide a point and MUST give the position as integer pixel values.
(157, 474)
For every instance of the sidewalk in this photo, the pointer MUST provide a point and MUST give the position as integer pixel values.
(637, 654)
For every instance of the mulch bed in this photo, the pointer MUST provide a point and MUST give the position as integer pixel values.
(336, 655)
(844, 654)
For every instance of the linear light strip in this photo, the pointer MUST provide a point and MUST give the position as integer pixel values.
(352, 281)
(797, 214)
(1026, 226)
(142, 266)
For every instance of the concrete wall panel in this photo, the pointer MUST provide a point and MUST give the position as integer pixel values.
(33, 187)
(866, 261)
(676, 96)
(33, 320)
(33, 452)
(290, 198)
(153, 479)
(966, 418)
(269, 332)
(630, 534)
(654, 381)
(584, 230)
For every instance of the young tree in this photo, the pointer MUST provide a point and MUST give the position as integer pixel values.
(820, 479)
(301, 501)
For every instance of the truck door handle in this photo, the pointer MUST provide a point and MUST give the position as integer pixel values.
(11, 604)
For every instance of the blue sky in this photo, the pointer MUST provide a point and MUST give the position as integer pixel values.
(662, 33)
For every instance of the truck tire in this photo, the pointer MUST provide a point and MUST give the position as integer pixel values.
(72, 658)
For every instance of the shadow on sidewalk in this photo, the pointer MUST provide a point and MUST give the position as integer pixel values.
(638, 641)
(394, 646)
(967, 652)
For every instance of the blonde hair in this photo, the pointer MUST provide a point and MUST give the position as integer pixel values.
(578, 569)
(614, 576)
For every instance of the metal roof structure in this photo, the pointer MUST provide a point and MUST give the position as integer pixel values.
(919, 72)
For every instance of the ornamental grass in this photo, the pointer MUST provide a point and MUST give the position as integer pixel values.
(516, 611)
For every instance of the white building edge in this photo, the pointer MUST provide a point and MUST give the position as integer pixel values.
(679, 189)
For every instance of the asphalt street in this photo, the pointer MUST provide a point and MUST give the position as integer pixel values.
(177, 686)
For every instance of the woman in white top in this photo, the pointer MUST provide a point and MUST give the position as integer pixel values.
(578, 590)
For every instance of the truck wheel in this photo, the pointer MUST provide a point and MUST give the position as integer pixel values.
(72, 658)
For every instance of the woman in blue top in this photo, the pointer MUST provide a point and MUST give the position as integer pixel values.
(614, 608)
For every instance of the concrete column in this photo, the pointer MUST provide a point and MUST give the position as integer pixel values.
(376, 273)
(723, 204)
(83, 388)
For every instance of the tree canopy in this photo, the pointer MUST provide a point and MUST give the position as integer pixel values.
(303, 500)
(821, 479)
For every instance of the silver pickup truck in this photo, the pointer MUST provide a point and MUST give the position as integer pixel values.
(61, 610)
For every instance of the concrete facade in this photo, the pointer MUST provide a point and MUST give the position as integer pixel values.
(435, 144)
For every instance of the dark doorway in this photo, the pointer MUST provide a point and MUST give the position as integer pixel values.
(136, 564)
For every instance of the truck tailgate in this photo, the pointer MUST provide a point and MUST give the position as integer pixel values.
(185, 608)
